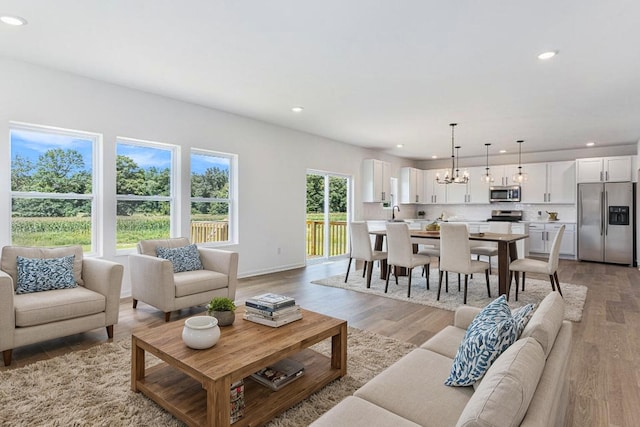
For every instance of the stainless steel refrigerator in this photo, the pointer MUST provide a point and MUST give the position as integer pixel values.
(606, 222)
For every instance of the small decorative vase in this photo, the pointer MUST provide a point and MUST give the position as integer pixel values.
(225, 318)
(201, 332)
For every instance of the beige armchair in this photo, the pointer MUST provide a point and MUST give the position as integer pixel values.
(154, 282)
(33, 317)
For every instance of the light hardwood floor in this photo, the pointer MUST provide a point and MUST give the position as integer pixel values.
(605, 365)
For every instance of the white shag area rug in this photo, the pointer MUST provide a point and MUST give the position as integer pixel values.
(535, 290)
(92, 387)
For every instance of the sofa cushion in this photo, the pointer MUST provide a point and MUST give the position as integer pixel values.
(197, 281)
(546, 321)
(185, 258)
(491, 332)
(10, 254)
(356, 412)
(45, 274)
(52, 306)
(446, 342)
(148, 247)
(503, 397)
(413, 388)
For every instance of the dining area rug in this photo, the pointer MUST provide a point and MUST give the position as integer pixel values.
(535, 291)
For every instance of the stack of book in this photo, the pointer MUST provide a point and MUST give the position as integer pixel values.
(237, 401)
(279, 374)
(272, 310)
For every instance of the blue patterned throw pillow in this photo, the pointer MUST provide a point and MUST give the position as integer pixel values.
(522, 316)
(44, 274)
(185, 258)
(491, 332)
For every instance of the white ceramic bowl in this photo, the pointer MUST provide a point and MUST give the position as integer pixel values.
(201, 332)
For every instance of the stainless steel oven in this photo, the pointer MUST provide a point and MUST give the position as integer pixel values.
(509, 193)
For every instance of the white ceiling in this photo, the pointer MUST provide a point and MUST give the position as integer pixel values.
(369, 72)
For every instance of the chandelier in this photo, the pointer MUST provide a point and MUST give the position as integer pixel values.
(520, 177)
(453, 176)
(487, 178)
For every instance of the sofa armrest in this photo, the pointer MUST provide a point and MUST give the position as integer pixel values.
(104, 277)
(464, 315)
(222, 261)
(7, 312)
(152, 281)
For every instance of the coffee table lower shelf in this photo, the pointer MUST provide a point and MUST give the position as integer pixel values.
(185, 398)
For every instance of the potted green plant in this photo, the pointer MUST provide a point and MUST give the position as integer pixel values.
(222, 309)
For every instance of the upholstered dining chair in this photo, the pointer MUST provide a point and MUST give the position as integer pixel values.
(361, 249)
(455, 255)
(400, 253)
(550, 266)
(490, 249)
(431, 250)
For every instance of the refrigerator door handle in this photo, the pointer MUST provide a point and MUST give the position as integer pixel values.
(601, 213)
(606, 213)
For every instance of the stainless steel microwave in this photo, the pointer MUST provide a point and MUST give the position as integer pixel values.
(509, 193)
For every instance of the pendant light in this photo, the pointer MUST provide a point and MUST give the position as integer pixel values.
(520, 177)
(487, 178)
(453, 176)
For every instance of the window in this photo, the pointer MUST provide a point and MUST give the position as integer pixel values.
(53, 187)
(212, 201)
(145, 202)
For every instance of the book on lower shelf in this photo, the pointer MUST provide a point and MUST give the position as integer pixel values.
(279, 374)
(274, 322)
(237, 401)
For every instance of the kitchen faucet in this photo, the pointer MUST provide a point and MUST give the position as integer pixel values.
(393, 211)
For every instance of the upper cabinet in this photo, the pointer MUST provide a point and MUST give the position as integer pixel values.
(503, 174)
(411, 185)
(434, 193)
(604, 169)
(474, 191)
(376, 176)
(552, 182)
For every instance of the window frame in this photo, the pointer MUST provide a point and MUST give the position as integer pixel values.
(174, 178)
(231, 200)
(97, 218)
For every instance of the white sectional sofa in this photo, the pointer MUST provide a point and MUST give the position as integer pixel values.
(526, 385)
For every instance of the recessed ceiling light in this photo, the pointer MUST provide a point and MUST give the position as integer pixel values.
(297, 109)
(502, 151)
(16, 21)
(399, 145)
(434, 157)
(548, 55)
(590, 144)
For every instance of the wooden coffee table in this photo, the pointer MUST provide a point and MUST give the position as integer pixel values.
(194, 385)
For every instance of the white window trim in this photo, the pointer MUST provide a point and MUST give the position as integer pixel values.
(97, 219)
(232, 201)
(174, 221)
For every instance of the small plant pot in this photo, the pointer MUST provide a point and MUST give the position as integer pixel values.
(201, 332)
(225, 318)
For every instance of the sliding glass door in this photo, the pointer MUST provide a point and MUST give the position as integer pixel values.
(327, 214)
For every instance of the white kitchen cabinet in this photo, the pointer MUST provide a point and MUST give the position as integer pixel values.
(604, 169)
(434, 193)
(375, 181)
(411, 185)
(503, 174)
(541, 237)
(474, 191)
(552, 182)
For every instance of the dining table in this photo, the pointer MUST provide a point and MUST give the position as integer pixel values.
(507, 250)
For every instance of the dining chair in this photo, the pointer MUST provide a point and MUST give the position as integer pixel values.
(361, 249)
(490, 249)
(550, 267)
(455, 255)
(432, 250)
(400, 253)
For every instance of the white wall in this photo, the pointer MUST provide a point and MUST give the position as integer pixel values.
(273, 160)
